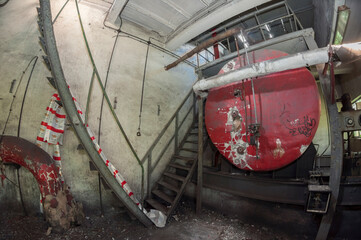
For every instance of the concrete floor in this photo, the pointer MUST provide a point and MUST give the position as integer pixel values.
(186, 225)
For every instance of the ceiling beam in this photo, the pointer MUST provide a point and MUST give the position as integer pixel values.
(115, 10)
(151, 14)
(209, 17)
(177, 8)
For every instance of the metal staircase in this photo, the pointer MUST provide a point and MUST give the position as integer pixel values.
(169, 189)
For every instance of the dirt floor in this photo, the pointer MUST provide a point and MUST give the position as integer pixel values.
(184, 225)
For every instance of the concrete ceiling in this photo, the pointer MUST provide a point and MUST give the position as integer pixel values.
(179, 21)
(163, 16)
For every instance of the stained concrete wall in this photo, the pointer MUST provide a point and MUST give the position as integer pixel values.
(351, 83)
(323, 12)
(19, 43)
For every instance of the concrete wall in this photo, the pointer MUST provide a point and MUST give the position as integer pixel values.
(323, 12)
(321, 139)
(351, 83)
(19, 43)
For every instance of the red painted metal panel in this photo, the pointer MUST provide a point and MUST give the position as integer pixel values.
(288, 111)
(36, 160)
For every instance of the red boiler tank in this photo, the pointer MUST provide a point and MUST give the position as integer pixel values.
(287, 107)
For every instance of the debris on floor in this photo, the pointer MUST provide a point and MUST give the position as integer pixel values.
(184, 224)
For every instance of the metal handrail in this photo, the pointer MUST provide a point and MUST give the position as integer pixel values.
(175, 116)
(289, 15)
(166, 126)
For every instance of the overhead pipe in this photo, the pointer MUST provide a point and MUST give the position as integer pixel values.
(344, 53)
(204, 45)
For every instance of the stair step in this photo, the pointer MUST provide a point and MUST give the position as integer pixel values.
(174, 176)
(106, 186)
(163, 196)
(184, 158)
(168, 186)
(194, 142)
(189, 150)
(195, 131)
(179, 166)
(157, 205)
(92, 166)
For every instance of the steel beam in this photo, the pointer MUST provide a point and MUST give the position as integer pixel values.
(200, 156)
(336, 147)
(288, 191)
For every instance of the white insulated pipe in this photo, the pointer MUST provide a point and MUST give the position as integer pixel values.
(293, 61)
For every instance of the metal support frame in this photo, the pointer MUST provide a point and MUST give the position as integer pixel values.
(238, 20)
(200, 156)
(336, 147)
(288, 191)
(148, 156)
(302, 33)
(75, 119)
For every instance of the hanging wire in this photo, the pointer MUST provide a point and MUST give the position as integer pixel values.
(253, 94)
(142, 96)
(26, 90)
(4, 3)
(88, 98)
(57, 15)
(107, 98)
(8, 117)
(105, 85)
(14, 96)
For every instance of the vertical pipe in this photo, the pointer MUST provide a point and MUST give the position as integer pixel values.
(20, 191)
(215, 47)
(200, 156)
(176, 133)
(294, 19)
(197, 59)
(100, 195)
(149, 173)
(289, 18)
(194, 107)
(260, 27)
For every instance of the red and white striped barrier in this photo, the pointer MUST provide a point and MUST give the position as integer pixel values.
(157, 217)
(50, 136)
